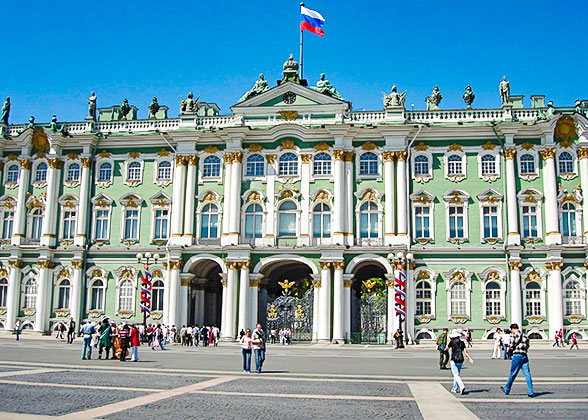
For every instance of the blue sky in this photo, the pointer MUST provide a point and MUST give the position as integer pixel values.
(56, 52)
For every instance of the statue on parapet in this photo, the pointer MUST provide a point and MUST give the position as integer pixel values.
(290, 73)
(324, 86)
(469, 97)
(54, 126)
(260, 86)
(434, 99)
(31, 123)
(6, 110)
(189, 106)
(504, 89)
(91, 107)
(153, 108)
(124, 110)
(394, 99)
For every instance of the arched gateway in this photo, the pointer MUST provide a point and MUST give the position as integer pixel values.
(205, 290)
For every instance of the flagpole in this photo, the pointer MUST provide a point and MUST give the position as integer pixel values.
(301, 39)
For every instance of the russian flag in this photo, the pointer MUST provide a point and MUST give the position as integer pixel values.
(311, 20)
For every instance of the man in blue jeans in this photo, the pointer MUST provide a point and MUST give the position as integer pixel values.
(519, 344)
(87, 331)
(258, 343)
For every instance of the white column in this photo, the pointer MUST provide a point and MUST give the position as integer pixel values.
(199, 301)
(316, 284)
(231, 299)
(44, 284)
(555, 302)
(49, 225)
(338, 303)
(21, 203)
(82, 222)
(552, 236)
(391, 319)
(174, 294)
(13, 292)
(190, 199)
(389, 199)
(349, 183)
(583, 157)
(254, 280)
(339, 199)
(269, 238)
(178, 198)
(347, 282)
(410, 305)
(514, 237)
(516, 310)
(304, 238)
(235, 202)
(244, 301)
(325, 302)
(401, 201)
(184, 296)
(224, 305)
(227, 200)
(76, 291)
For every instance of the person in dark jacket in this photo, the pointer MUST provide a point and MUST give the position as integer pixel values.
(124, 335)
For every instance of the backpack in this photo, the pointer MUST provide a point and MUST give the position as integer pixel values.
(457, 354)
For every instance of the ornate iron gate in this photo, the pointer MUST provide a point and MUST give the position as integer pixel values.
(288, 311)
(372, 315)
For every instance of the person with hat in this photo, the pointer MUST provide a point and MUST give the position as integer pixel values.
(104, 340)
(519, 346)
(443, 352)
(458, 351)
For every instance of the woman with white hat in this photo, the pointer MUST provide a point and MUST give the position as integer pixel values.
(458, 350)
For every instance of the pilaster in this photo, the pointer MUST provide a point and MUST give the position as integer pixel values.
(77, 287)
(583, 158)
(226, 231)
(43, 295)
(325, 302)
(244, 297)
(514, 236)
(188, 235)
(516, 310)
(48, 231)
(552, 236)
(389, 198)
(349, 183)
(304, 238)
(82, 222)
(316, 285)
(13, 292)
(270, 233)
(338, 303)
(21, 203)
(178, 200)
(555, 303)
(339, 199)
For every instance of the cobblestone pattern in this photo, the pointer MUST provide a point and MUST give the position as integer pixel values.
(519, 389)
(534, 410)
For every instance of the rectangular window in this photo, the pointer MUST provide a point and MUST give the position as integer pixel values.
(287, 224)
(423, 308)
(69, 225)
(456, 226)
(490, 221)
(7, 222)
(131, 224)
(529, 221)
(422, 222)
(37, 224)
(161, 220)
(102, 224)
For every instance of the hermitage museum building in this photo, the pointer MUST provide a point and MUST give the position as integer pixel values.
(297, 212)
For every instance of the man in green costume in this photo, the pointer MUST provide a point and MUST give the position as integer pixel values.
(443, 350)
(104, 332)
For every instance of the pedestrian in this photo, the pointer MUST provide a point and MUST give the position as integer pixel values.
(574, 341)
(506, 344)
(458, 351)
(59, 331)
(398, 337)
(519, 346)
(115, 341)
(246, 350)
(204, 335)
(469, 338)
(258, 347)
(71, 332)
(442, 348)
(87, 332)
(273, 336)
(556, 340)
(124, 335)
(241, 333)
(105, 340)
(17, 329)
(135, 343)
(560, 336)
(497, 344)
(159, 338)
(215, 335)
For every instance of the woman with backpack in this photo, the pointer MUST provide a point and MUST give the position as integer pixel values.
(458, 351)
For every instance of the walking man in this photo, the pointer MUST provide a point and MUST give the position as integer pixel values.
(497, 344)
(458, 351)
(87, 331)
(258, 347)
(574, 341)
(71, 332)
(17, 329)
(519, 346)
(443, 352)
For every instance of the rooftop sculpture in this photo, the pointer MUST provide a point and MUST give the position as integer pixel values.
(324, 86)
(504, 89)
(394, 99)
(434, 99)
(91, 107)
(260, 86)
(189, 106)
(469, 97)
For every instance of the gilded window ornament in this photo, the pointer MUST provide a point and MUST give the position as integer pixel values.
(509, 154)
(306, 157)
(210, 197)
(533, 276)
(369, 195)
(254, 197)
(11, 157)
(134, 155)
(211, 149)
(548, 153)
(322, 146)
(287, 144)
(421, 147)
(455, 147)
(322, 195)
(368, 145)
(104, 154)
(389, 156)
(255, 147)
(489, 146)
(163, 152)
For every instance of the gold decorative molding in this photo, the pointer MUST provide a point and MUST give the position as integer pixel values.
(286, 285)
(72, 156)
(86, 162)
(534, 319)
(401, 155)
(421, 147)
(46, 264)
(316, 284)
(368, 145)
(287, 144)
(270, 159)
(209, 197)
(515, 265)
(11, 157)
(322, 146)
(95, 314)
(224, 282)
(185, 282)
(533, 276)
(299, 314)
(527, 146)
(288, 115)
(338, 154)
(389, 156)
(575, 319)
(455, 147)
(459, 319)
(322, 195)
(211, 149)
(369, 195)
(272, 314)
(325, 265)
(254, 196)
(175, 265)
(306, 157)
(255, 147)
(565, 129)
(493, 320)
(369, 285)
(163, 152)
(77, 264)
(424, 319)
(509, 154)
(62, 313)
(349, 156)
(582, 152)
(347, 283)
(547, 153)
(390, 284)
(181, 160)
(254, 282)
(192, 160)
(104, 154)
(134, 154)
(127, 273)
(25, 164)
(339, 265)
(554, 265)
(458, 277)
(489, 146)
(164, 264)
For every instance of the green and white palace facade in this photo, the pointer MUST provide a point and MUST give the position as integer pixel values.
(295, 195)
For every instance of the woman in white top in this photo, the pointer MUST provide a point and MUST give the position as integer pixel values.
(246, 350)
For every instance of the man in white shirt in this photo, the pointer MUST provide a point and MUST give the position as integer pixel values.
(497, 344)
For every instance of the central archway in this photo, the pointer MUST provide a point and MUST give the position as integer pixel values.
(205, 290)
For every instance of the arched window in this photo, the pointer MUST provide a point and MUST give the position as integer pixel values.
(454, 165)
(527, 162)
(368, 164)
(322, 164)
(573, 298)
(36, 223)
(287, 219)
(321, 221)
(41, 172)
(209, 222)
(212, 167)
(157, 295)
(105, 171)
(424, 297)
(63, 294)
(12, 173)
(493, 299)
(254, 165)
(288, 165)
(368, 220)
(125, 296)
(568, 219)
(458, 296)
(30, 294)
(566, 163)
(134, 171)
(488, 165)
(253, 221)
(3, 292)
(421, 165)
(164, 171)
(424, 335)
(73, 172)
(97, 295)
(533, 299)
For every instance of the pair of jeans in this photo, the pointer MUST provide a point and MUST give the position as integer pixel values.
(259, 359)
(134, 354)
(246, 359)
(519, 362)
(87, 346)
(458, 384)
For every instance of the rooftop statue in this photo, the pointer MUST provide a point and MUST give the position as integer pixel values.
(290, 73)
(260, 86)
(54, 126)
(6, 110)
(469, 97)
(434, 99)
(324, 86)
(124, 110)
(504, 89)
(394, 99)
(153, 108)
(189, 106)
(31, 123)
(92, 107)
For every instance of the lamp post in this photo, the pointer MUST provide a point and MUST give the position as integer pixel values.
(146, 259)
(400, 261)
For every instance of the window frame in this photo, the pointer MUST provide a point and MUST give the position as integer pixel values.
(569, 275)
(7, 182)
(124, 274)
(101, 202)
(130, 202)
(497, 276)
(527, 149)
(163, 182)
(67, 203)
(487, 199)
(295, 212)
(133, 182)
(378, 163)
(35, 171)
(160, 202)
(423, 199)
(73, 182)
(539, 276)
(255, 164)
(452, 277)
(458, 176)
(322, 164)
(530, 197)
(293, 166)
(105, 182)
(457, 199)
(489, 177)
(573, 164)
(424, 177)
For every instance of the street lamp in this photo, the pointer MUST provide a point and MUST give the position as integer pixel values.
(400, 261)
(145, 304)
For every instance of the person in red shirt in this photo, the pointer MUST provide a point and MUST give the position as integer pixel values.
(135, 343)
